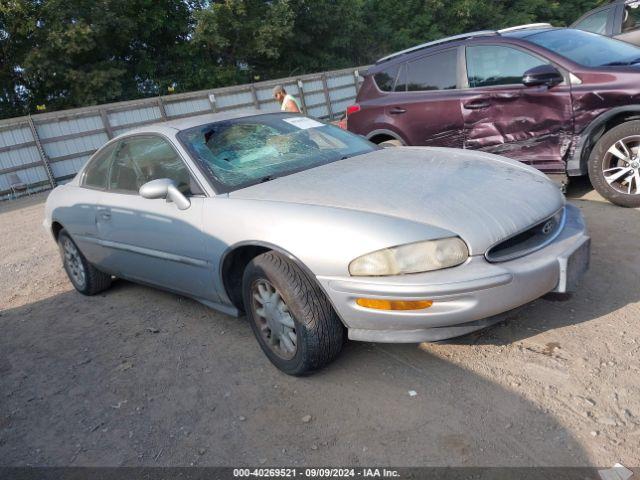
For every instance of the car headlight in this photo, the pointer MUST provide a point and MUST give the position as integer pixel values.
(411, 258)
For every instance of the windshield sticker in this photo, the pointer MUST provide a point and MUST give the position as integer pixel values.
(303, 123)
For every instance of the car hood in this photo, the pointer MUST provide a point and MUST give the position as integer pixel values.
(481, 197)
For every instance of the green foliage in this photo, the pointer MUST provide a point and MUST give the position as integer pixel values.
(68, 53)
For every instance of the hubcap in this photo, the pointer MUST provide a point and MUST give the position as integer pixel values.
(273, 319)
(73, 262)
(621, 165)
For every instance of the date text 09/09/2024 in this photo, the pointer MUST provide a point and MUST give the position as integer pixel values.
(316, 472)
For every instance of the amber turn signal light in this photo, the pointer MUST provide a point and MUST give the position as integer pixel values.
(379, 304)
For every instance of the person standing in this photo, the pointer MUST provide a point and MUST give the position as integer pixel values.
(288, 103)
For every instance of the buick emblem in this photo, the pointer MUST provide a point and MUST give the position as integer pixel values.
(547, 228)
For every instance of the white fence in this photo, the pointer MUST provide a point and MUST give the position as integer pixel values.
(46, 149)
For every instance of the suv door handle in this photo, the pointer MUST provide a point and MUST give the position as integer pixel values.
(397, 111)
(477, 105)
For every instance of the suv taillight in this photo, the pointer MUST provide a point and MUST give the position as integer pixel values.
(353, 109)
(350, 109)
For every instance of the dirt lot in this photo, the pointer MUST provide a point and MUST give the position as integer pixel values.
(137, 376)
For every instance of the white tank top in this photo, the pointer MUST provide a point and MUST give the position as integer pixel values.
(288, 97)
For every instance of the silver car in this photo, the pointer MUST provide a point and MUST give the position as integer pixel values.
(314, 233)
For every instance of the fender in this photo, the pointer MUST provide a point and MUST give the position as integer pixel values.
(270, 246)
(384, 131)
(577, 162)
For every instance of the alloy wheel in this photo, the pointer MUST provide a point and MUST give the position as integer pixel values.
(274, 321)
(73, 262)
(621, 165)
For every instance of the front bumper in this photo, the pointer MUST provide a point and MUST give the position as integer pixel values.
(466, 298)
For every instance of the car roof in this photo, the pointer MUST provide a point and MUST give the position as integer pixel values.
(519, 32)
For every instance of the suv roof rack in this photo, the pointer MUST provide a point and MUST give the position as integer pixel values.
(463, 36)
(524, 27)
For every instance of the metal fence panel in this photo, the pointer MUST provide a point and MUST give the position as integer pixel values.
(135, 116)
(21, 156)
(15, 136)
(59, 128)
(184, 107)
(69, 137)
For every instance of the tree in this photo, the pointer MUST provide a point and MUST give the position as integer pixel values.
(68, 53)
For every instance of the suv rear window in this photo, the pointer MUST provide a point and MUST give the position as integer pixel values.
(386, 78)
(434, 72)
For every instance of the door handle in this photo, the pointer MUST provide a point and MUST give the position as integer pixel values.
(477, 105)
(104, 214)
(397, 111)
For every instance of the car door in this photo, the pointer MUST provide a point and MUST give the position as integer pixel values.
(152, 241)
(79, 218)
(627, 23)
(502, 116)
(426, 104)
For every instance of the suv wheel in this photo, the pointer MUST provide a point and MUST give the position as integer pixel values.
(290, 316)
(614, 165)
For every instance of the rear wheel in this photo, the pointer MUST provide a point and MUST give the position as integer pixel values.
(291, 318)
(84, 277)
(614, 165)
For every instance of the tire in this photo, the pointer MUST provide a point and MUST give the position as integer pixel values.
(391, 143)
(86, 278)
(601, 161)
(286, 307)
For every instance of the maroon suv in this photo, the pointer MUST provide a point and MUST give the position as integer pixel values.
(562, 100)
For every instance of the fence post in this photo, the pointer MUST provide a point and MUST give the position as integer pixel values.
(326, 95)
(43, 155)
(302, 100)
(356, 80)
(106, 123)
(163, 112)
(212, 101)
(254, 95)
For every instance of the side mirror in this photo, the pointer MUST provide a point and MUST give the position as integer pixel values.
(543, 75)
(165, 188)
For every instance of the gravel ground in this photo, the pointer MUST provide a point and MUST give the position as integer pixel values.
(137, 376)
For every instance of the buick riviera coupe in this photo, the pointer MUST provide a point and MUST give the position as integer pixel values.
(315, 233)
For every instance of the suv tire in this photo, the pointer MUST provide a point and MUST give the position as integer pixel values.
(601, 161)
(86, 278)
(293, 321)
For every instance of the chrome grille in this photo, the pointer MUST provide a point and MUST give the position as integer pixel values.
(529, 240)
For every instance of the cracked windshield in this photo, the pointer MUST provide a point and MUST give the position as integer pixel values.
(255, 149)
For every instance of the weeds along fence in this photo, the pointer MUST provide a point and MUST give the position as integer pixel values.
(47, 149)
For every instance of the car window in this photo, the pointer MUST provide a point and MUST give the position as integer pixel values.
(586, 48)
(386, 78)
(489, 65)
(434, 72)
(249, 150)
(142, 159)
(595, 23)
(631, 19)
(95, 175)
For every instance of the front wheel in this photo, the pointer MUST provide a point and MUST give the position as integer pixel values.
(614, 165)
(290, 316)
